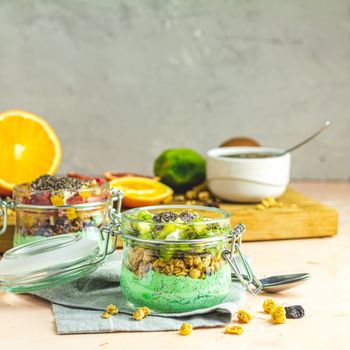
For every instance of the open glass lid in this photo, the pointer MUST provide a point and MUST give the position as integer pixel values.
(53, 261)
(47, 263)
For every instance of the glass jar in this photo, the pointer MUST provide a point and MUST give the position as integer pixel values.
(46, 213)
(172, 274)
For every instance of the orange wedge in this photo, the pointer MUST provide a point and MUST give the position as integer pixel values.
(111, 175)
(141, 191)
(29, 148)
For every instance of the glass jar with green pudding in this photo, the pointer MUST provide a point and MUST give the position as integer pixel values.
(178, 258)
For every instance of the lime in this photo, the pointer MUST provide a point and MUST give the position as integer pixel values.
(180, 168)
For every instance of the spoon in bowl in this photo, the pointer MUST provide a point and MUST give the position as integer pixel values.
(324, 127)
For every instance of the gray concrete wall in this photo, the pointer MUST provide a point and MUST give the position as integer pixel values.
(121, 81)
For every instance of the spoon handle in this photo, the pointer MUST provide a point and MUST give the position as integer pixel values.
(324, 127)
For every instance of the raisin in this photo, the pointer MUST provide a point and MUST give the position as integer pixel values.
(295, 311)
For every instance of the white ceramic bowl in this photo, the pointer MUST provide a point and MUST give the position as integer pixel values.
(247, 179)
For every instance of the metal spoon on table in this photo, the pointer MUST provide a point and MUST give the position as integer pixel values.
(324, 127)
(279, 283)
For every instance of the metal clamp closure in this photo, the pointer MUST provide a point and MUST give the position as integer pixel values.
(4, 206)
(113, 226)
(246, 277)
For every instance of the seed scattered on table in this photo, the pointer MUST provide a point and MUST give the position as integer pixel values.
(233, 329)
(244, 316)
(141, 313)
(185, 329)
(269, 305)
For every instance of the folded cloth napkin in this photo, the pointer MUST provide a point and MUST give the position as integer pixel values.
(78, 306)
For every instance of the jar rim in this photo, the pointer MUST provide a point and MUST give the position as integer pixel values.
(128, 217)
(25, 188)
(23, 192)
(225, 214)
(215, 239)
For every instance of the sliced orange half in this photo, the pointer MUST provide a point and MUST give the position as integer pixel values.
(29, 148)
(111, 175)
(141, 191)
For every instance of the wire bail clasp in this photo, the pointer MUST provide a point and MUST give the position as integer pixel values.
(247, 278)
(111, 229)
(4, 206)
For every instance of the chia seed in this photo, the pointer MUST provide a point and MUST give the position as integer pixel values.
(165, 216)
(186, 216)
(49, 182)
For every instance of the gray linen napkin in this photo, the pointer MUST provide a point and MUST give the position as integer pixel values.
(78, 306)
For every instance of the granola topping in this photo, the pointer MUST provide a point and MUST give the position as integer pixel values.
(244, 316)
(141, 313)
(233, 329)
(185, 329)
(142, 260)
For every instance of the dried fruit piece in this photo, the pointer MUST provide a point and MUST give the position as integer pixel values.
(71, 213)
(112, 309)
(141, 313)
(106, 315)
(295, 311)
(244, 316)
(278, 315)
(232, 329)
(57, 200)
(185, 329)
(269, 305)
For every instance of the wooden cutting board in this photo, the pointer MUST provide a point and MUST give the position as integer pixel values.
(308, 219)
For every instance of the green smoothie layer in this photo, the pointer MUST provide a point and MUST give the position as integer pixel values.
(175, 293)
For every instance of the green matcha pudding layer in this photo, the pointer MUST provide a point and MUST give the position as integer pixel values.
(175, 294)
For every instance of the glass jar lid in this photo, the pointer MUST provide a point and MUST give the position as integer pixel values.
(47, 263)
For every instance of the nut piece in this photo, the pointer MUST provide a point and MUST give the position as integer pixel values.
(269, 305)
(105, 315)
(141, 313)
(232, 329)
(244, 316)
(204, 196)
(259, 207)
(278, 315)
(112, 309)
(185, 329)
(195, 273)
